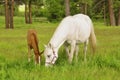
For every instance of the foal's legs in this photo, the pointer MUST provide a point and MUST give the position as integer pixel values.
(73, 44)
(29, 53)
(37, 57)
(85, 49)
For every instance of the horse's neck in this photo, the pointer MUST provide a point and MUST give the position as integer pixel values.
(61, 33)
(59, 37)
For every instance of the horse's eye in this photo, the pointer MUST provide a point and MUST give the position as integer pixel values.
(48, 56)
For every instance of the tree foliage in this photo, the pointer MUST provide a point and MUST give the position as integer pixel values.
(54, 10)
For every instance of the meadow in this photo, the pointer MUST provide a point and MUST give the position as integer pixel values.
(103, 65)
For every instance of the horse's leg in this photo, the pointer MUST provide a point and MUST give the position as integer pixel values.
(76, 52)
(29, 53)
(67, 49)
(85, 50)
(73, 44)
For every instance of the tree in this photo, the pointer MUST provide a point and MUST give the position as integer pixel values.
(67, 7)
(11, 13)
(56, 10)
(28, 8)
(6, 14)
(116, 4)
(119, 17)
(111, 13)
(28, 11)
(107, 9)
(84, 4)
(99, 9)
(9, 5)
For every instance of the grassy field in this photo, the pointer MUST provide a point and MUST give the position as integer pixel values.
(104, 65)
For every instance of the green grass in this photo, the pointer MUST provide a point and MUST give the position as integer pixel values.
(104, 65)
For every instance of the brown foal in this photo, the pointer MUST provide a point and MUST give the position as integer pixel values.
(32, 42)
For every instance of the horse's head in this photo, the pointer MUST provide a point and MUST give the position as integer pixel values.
(50, 55)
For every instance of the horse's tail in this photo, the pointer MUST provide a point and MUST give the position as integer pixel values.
(93, 39)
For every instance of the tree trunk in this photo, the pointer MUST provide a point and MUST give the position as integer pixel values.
(105, 20)
(6, 14)
(11, 13)
(67, 7)
(30, 13)
(26, 13)
(111, 13)
(9, 6)
(85, 8)
(119, 18)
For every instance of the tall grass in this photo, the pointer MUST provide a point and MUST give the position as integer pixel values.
(104, 65)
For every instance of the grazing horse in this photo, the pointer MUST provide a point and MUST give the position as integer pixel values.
(71, 31)
(32, 42)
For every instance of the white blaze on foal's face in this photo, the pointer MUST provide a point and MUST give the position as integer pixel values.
(50, 56)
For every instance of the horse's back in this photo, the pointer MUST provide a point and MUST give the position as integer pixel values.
(80, 27)
(83, 17)
(79, 21)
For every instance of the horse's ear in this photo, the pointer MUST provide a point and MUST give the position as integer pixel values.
(50, 45)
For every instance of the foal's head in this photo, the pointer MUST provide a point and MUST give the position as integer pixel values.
(50, 55)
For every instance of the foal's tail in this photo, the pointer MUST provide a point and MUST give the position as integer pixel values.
(93, 39)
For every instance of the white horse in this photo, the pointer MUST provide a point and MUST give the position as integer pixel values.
(72, 30)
